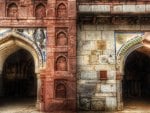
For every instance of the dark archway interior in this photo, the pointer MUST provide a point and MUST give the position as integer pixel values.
(19, 78)
(136, 81)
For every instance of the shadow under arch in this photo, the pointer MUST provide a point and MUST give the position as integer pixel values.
(121, 57)
(11, 43)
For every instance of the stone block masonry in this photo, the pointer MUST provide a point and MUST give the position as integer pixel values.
(95, 53)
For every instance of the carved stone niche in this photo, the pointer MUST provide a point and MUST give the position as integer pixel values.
(60, 88)
(61, 11)
(61, 39)
(12, 10)
(61, 61)
(40, 11)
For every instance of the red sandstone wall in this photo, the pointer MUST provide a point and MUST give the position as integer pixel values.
(58, 79)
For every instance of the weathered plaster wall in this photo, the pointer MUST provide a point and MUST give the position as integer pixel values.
(96, 53)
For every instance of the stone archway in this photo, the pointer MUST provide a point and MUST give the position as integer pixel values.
(124, 52)
(11, 44)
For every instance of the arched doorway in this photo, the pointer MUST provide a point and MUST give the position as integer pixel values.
(19, 78)
(136, 79)
(20, 64)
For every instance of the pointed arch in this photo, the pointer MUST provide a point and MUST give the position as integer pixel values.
(126, 49)
(13, 42)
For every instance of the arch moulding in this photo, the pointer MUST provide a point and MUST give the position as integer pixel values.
(13, 42)
(121, 57)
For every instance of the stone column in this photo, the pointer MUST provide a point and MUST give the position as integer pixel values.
(119, 90)
(1, 84)
(38, 102)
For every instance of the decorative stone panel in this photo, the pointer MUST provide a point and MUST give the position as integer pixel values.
(84, 103)
(61, 39)
(60, 88)
(61, 62)
(40, 11)
(98, 104)
(103, 75)
(61, 10)
(12, 10)
(37, 36)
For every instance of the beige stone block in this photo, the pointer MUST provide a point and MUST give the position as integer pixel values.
(93, 35)
(101, 8)
(101, 67)
(140, 8)
(108, 88)
(111, 103)
(86, 67)
(107, 35)
(82, 60)
(93, 59)
(98, 87)
(145, 27)
(108, 82)
(117, 8)
(112, 75)
(86, 81)
(79, 45)
(110, 27)
(129, 9)
(100, 27)
(89, 45)
(89, 27)
(110, 44)
(105, 94)
(109, 52)
(147, 7)
(128, 27)
(81, 52)
(85, 8)
(85, 59)
(82, 35)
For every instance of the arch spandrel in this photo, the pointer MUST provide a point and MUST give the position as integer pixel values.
(11, 41)
(135, 43)
(126, 49)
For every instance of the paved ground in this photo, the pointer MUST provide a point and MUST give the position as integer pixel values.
(136, 106)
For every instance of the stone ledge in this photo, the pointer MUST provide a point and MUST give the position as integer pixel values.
(113, 8)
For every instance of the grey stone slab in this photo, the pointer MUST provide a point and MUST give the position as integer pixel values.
(98, 104)
(84, 103)
(87, 89)
(88, 75)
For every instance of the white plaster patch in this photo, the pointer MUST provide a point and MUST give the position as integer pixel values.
(111, 103)
(106, 88)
